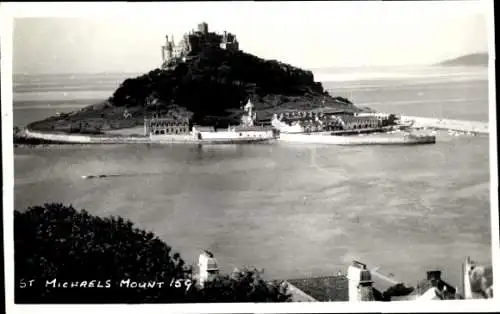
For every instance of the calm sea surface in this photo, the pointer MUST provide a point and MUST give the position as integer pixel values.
(294, 210)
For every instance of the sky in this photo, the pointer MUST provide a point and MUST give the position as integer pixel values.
(126, 37)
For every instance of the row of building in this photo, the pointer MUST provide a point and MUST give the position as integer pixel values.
(302, 121)
(362, 284)
(291, 121)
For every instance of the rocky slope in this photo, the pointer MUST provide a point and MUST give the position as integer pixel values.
(213, 85)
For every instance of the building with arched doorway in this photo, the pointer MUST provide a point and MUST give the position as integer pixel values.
(167, 123)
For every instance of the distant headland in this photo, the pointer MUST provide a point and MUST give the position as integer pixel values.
(207, 76)
(474, 59)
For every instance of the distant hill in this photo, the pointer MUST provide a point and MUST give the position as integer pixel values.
(474, 59)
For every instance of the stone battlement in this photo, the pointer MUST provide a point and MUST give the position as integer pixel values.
(194, 41)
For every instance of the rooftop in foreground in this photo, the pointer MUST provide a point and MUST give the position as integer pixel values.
(326, 288)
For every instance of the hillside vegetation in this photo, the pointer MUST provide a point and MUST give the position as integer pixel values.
(212, 85)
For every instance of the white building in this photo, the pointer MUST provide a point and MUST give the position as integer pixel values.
(207, 267)
(360, 283)
(249, 116)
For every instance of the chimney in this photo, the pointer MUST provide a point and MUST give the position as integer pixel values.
(208, 267)
(360, 283)
(434, 275)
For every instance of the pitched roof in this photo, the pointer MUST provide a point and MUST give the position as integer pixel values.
(448, 292)
(349, 118)
(327, 288)
(204, 128)
(290, 120)
(383, 282)
(242, 128)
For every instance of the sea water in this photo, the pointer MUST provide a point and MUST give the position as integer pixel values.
(294, 210)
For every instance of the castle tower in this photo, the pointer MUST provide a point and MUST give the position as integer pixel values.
(203, 28)
(360, 283)
(208, 268)
(169, 50)
(164, 48)
(166, 51)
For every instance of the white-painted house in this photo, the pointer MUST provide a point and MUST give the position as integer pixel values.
(360, 283)
(207, 268)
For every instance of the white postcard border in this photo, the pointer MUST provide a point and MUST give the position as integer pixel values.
(10, 10)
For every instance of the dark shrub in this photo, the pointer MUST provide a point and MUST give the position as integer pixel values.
(214, 80)
(57, 242)
(244, 286)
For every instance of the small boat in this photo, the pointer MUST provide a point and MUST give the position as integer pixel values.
(100, 176)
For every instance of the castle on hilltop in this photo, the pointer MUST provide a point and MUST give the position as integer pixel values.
(193, 42)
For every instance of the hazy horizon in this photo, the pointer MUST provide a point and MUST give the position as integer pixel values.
(302, 34)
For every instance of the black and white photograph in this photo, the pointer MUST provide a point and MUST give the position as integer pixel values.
(282, 154)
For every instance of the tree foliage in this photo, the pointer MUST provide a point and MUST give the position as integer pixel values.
(215, 80)
(244, 285)
(209, 83)
(55, 241)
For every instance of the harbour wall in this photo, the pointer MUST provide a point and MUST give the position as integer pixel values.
(116, 139)
(420, 122)
(447, 124)
(189, 139)
(393, 139)
(84, 139)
